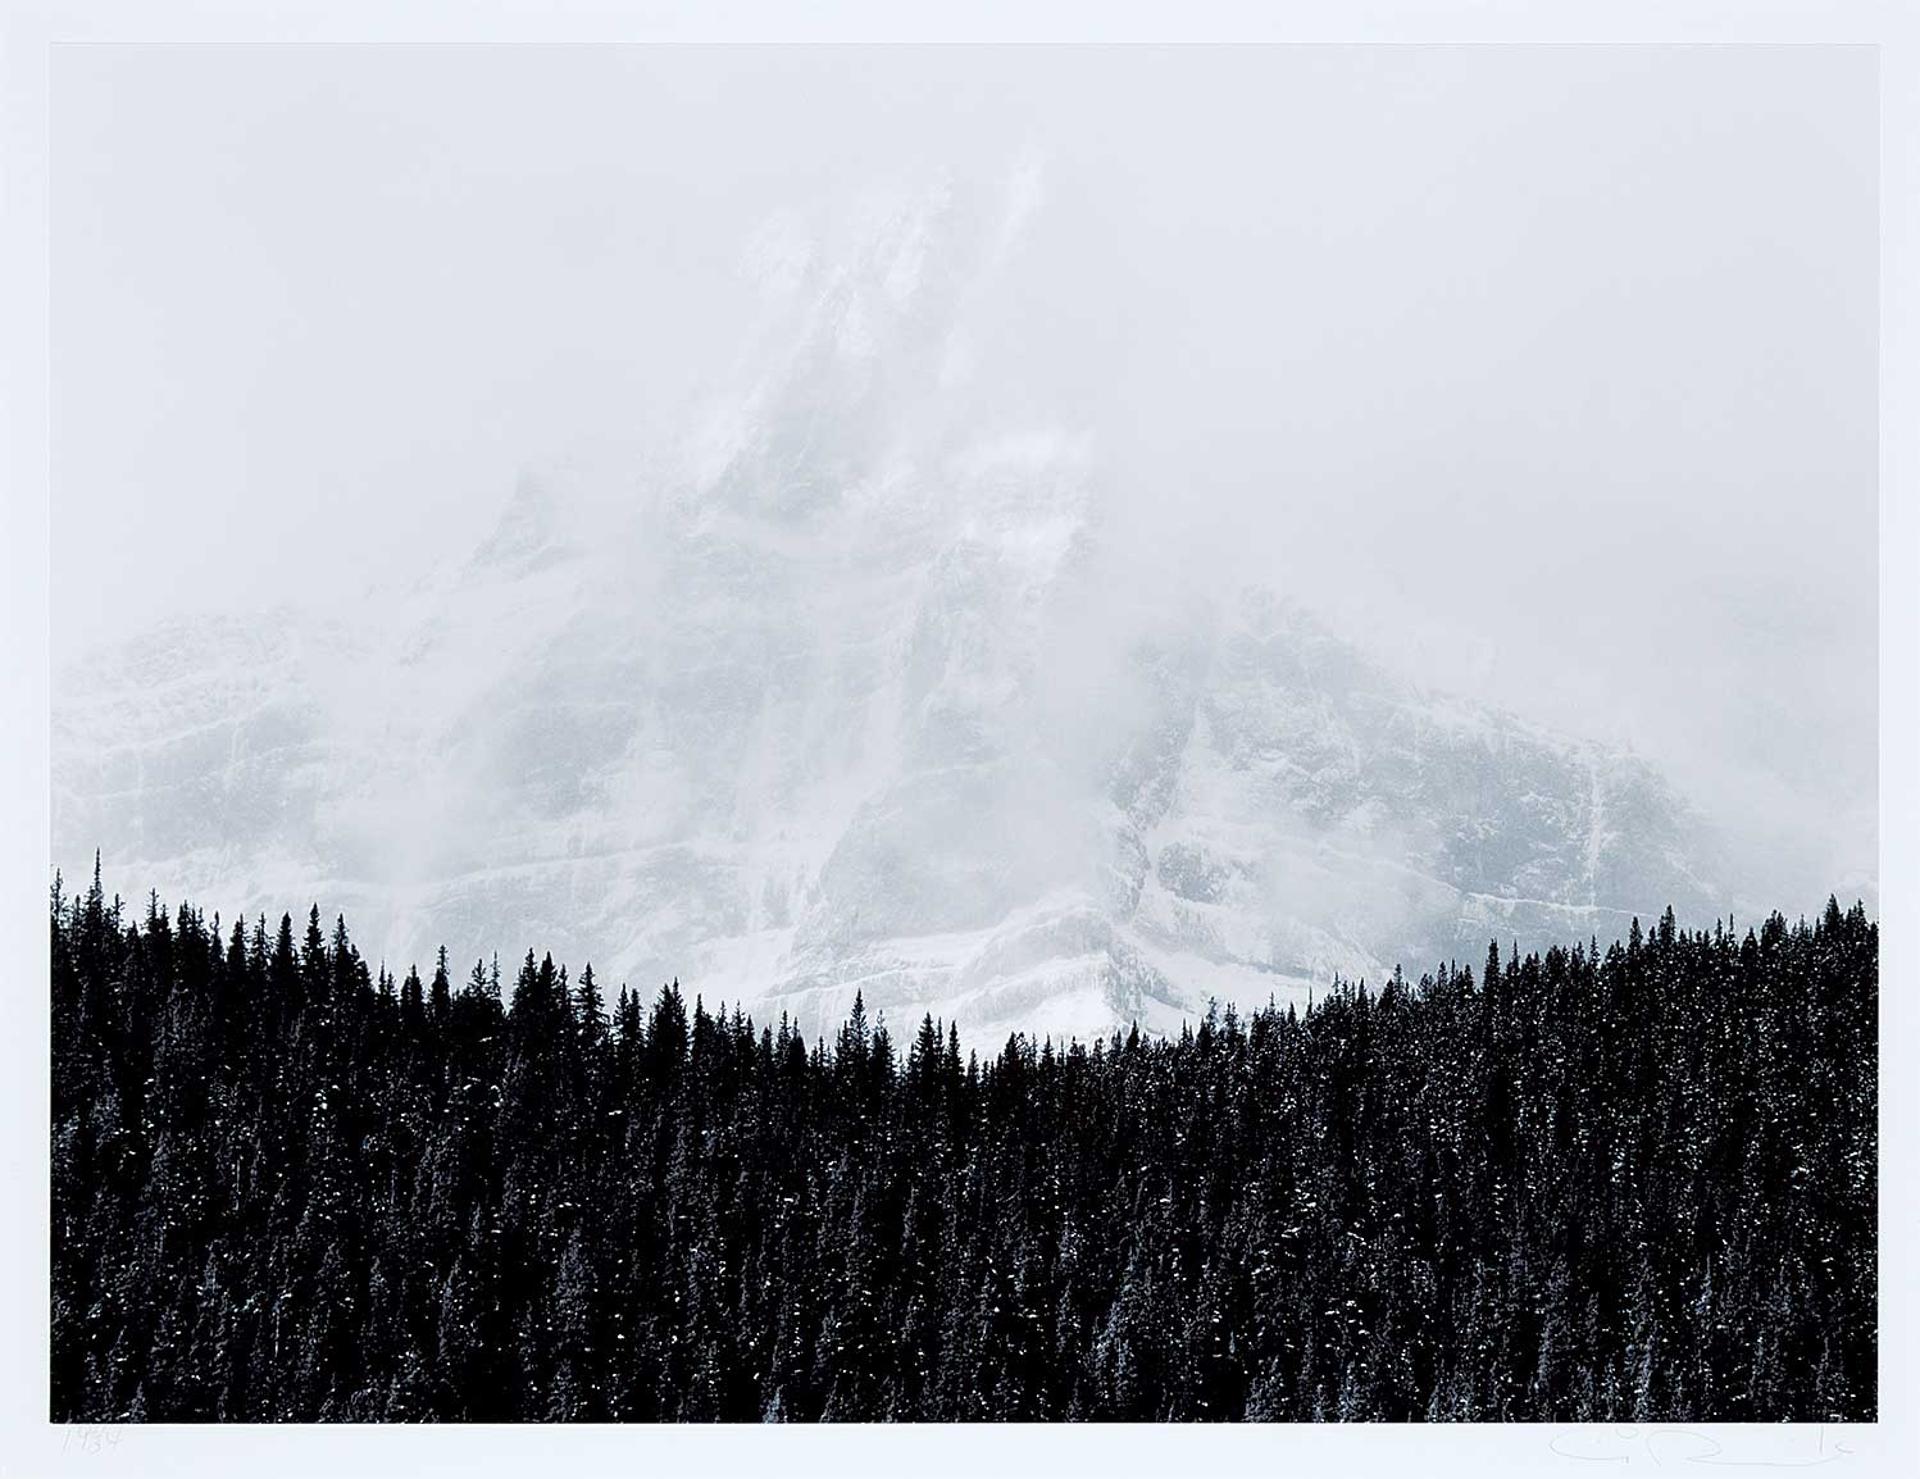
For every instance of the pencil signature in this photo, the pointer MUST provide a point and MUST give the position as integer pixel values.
(1661, 1444)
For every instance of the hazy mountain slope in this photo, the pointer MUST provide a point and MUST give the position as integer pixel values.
(792, 803)
(853, 695)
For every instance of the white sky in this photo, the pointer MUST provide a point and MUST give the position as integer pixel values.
(1549, 372)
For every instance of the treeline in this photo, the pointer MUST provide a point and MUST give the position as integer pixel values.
(1631, 1184)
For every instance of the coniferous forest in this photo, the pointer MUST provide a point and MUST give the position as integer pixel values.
(1631, 1182)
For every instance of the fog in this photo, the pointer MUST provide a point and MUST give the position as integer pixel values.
(1547, 374)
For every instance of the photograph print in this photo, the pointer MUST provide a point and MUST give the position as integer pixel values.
(964, 734)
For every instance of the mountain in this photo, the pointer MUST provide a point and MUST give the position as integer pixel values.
(859, 690)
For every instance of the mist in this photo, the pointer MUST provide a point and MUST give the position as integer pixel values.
(1545, 375)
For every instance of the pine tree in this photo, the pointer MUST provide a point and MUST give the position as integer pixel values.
(1636, 1183)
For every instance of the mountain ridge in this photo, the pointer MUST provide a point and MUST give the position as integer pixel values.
(867, 685)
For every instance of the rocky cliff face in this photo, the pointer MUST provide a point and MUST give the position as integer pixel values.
(802, 781)
(849, 696)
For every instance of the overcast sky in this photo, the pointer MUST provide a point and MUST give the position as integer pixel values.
(1548, 372)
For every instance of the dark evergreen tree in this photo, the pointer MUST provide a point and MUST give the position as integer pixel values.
(1631, 1183)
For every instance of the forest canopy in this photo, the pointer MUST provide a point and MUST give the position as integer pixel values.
(1631, 1182)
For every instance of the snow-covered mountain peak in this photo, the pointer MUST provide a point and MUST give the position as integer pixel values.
(862, 687)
